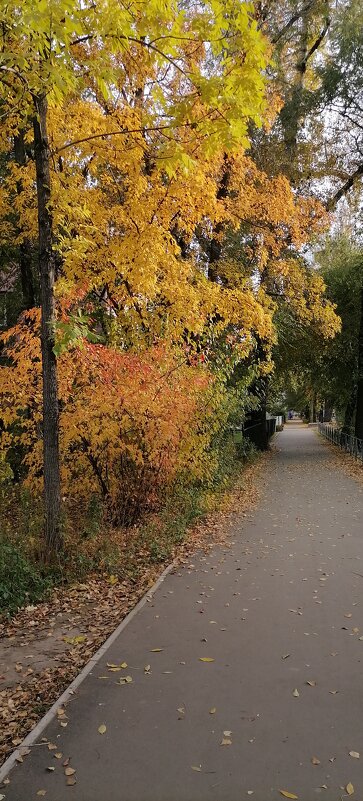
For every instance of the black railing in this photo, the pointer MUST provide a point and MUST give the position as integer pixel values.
(346, 442)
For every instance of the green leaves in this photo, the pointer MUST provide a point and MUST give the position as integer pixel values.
(72, 333)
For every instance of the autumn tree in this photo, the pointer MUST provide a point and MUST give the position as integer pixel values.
(205, 72)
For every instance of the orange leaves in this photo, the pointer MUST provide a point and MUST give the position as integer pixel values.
(128, 423)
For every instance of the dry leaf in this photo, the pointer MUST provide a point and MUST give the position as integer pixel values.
(58, 755)
(156, 650)
(286, 794)
(206, 659)
(125, 680)
(71, 781)
(226, 741)
(311, 683)
(315, 761)
(296, 693)
(285, 656)
(102, 729)
(51, 769)
(195, 767)
(213, 710)
(69, 771)
(41, 792)
(354, 754)
(349, 788)
(52, 747)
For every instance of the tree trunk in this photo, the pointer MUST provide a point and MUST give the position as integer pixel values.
(359, 411)
(349, 411)
(53, 539)
(313, 408)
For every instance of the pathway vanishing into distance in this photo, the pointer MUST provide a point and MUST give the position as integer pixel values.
(280, 707)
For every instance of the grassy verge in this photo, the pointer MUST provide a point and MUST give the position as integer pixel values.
(93, 546)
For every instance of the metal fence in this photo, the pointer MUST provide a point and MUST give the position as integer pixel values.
(346, 442)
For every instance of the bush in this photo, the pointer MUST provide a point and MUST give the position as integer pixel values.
(20, 581)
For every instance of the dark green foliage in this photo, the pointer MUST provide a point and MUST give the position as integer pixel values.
(21, 582)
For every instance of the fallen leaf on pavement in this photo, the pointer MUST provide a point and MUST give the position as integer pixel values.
(296, 693)
(286, 794)
(69, 771)
(226, 741)
(40, 792)
(206, 659)
(311, 683)
(354, 754)
(71, 781)
(349, 788)
(213, 710)
(156, 650)
(197, 768)
(102, 729)
(315, 761)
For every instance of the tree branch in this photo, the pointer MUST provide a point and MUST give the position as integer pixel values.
(332, 202)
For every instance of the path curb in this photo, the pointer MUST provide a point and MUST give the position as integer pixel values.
(35, 733)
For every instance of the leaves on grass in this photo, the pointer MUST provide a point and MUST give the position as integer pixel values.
(75, 640)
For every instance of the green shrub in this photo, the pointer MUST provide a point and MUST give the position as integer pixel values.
(20, 581)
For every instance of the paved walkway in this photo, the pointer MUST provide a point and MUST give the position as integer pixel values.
(280, 613)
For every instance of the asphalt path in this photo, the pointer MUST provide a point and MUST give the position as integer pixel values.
(246, 668)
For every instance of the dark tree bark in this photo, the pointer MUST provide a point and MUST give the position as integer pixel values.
(350, 410)
(25, 253)
(215, 249)
(53, 539)
(359, 411)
